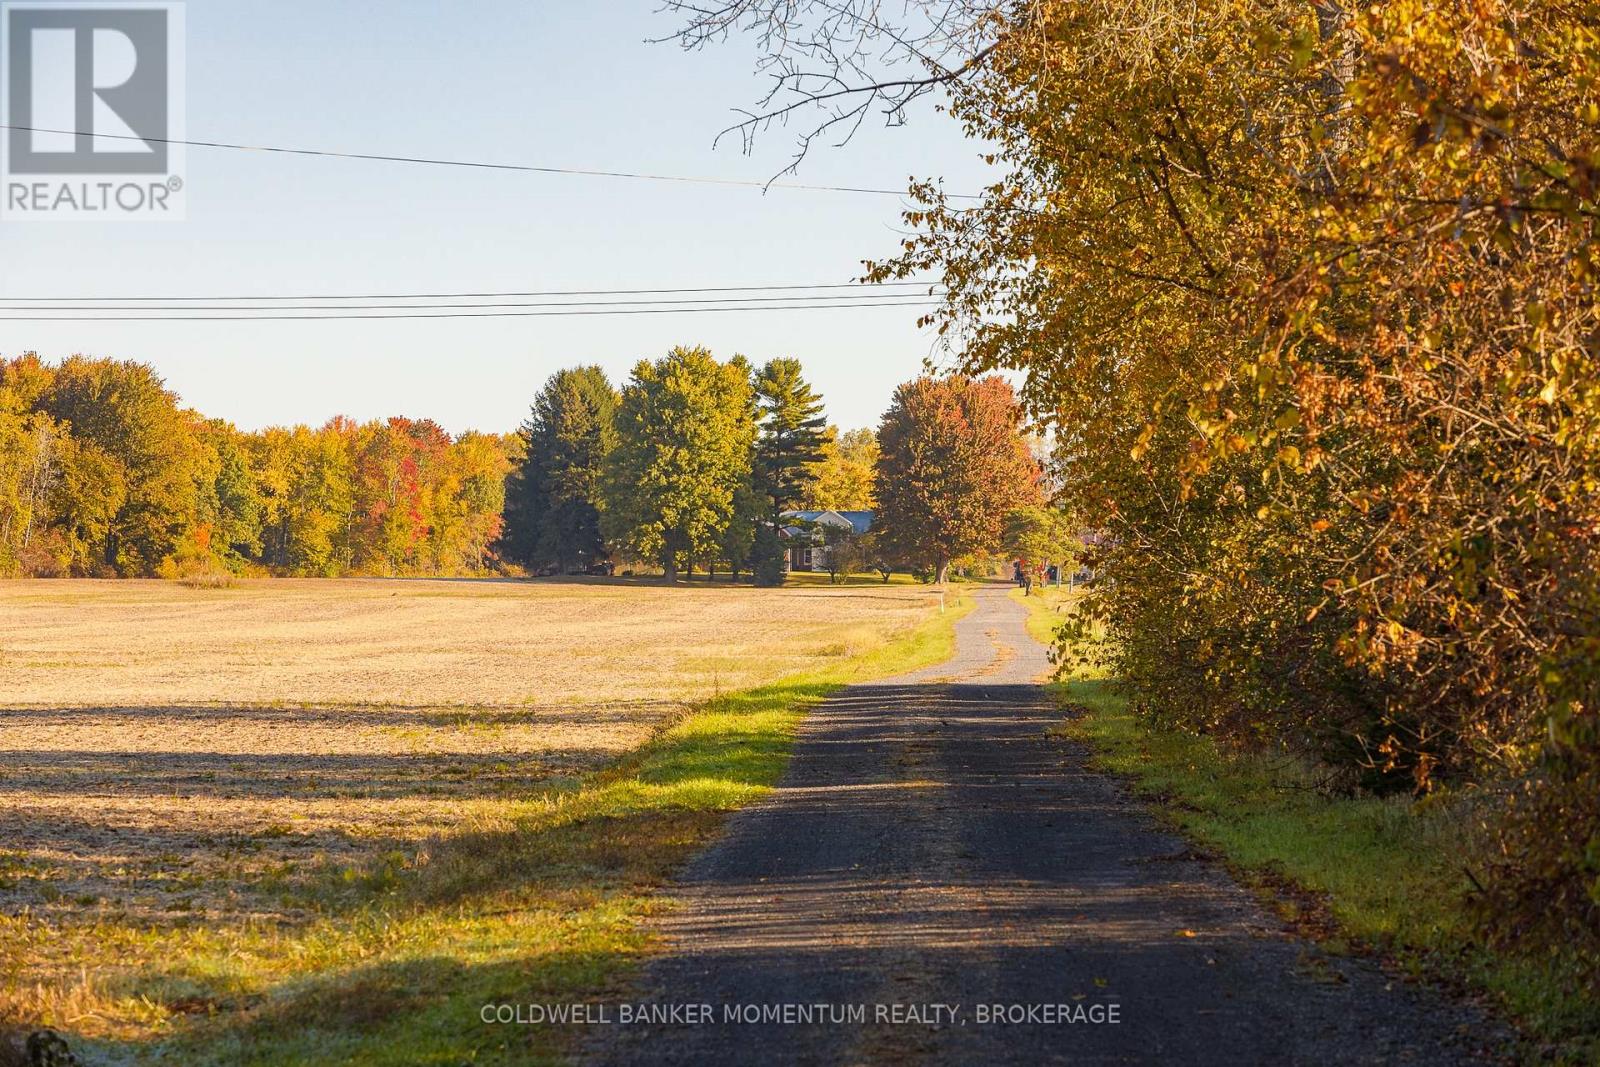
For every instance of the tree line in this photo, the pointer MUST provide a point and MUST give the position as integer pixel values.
(689, 466)
(103, 473)
(1310, 294)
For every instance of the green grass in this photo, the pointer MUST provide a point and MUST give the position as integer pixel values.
(544, 904)
(1359, 872)
(1047, 610)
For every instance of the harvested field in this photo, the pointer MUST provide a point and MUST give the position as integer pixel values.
(204, 760)
(421, 643)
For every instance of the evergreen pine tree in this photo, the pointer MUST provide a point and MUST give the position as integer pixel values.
(793, 432)
(552, 514)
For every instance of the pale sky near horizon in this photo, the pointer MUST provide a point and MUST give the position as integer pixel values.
(559, 84)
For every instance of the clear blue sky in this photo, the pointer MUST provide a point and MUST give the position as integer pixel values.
(550, 83)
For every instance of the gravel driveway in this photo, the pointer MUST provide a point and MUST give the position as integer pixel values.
(938, 880)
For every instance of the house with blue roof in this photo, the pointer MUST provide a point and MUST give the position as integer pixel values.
(805, 533)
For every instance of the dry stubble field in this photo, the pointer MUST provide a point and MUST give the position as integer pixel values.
(176, 758)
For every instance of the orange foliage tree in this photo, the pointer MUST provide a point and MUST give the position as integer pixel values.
(952, 465)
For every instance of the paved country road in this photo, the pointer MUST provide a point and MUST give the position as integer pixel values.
(933, 852)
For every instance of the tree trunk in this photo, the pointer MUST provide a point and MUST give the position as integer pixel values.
(943, 572)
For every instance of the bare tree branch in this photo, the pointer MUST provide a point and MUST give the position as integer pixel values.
(843, 59)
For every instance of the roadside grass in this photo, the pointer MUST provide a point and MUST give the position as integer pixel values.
(1047, 609)
(541, 901)
(1360, 873)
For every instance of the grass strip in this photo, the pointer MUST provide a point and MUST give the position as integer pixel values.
(1385, 875)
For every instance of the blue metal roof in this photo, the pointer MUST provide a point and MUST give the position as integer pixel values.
(860, 521)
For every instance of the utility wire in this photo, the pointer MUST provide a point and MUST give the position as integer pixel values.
(523, 167)
(265, 315)
(152, 308)
(781, 292)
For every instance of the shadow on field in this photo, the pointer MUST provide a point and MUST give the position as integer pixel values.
(396, 961)
(235, 776)
(348, 713)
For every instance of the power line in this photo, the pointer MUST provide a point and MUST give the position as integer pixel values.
(477, 165)
(265, 315)
(781, 290)
(151, 308)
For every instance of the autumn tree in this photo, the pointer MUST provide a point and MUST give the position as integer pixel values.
(685, 438)
(85, 502)
(306, 482)
(844, 477)
(124, 411)
(397, 466)
(846, 551)
(953, 465)
(552, 498)
(30, 466)
(482, 463)
(102, 473)
(322, 513)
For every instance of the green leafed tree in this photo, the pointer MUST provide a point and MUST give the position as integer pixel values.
(552, 496)
(766, 556)
(685, 436)
(228, 501)
(740, 540)
(1039, 536)
(953, 465)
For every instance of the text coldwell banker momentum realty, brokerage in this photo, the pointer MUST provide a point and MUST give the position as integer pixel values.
(815, 1014)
